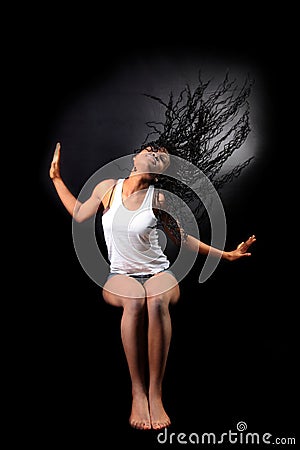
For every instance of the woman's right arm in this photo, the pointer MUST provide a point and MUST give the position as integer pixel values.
(79, 211)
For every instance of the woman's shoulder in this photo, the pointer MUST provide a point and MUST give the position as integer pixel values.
(158, 198)
(104, 186)
(108, 182)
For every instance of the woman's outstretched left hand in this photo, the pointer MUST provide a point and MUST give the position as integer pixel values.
(241, 250)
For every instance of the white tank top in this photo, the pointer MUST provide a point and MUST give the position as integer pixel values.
(131, 236)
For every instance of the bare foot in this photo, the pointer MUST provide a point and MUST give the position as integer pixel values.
(140, 417)
(159, 417)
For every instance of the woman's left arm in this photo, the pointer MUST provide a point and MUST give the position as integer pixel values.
(177, 235)
(240, 251)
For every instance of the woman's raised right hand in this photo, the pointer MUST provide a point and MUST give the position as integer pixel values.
(55, 164)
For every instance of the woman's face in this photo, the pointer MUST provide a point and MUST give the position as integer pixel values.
(152, 161)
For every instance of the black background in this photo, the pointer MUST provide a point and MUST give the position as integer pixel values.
(232, 356)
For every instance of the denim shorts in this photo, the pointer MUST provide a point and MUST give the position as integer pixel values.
(142, 278)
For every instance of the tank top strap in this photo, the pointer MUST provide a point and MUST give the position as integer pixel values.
(149, 197)
(117, 201)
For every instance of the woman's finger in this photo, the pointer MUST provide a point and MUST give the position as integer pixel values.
(56, 153)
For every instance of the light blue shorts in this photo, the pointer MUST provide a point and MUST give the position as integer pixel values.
(142, 278)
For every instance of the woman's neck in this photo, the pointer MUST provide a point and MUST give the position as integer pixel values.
(136, 182)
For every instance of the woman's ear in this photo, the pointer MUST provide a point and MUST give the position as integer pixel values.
(134, 168)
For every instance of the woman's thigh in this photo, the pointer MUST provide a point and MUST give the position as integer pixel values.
(164, 286)
(120, 288)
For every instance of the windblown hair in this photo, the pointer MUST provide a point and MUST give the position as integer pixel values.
(204, 128)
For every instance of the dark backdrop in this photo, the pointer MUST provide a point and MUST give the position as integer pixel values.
(232, 355)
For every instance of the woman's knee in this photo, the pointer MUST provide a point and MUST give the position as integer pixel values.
(160, 299)
(134, 306)
(158, 304)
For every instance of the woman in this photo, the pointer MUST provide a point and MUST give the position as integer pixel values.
(140, 280)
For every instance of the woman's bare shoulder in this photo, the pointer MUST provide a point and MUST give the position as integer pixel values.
(159, 198)
(102, 188)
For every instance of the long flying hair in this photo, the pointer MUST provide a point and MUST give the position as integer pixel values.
(205, 127)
